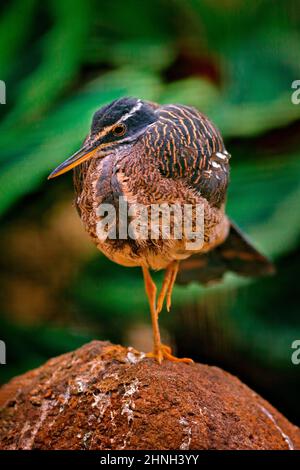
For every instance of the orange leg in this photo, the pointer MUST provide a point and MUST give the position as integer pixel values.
(150, 289)
(160, 351)
(167, 287)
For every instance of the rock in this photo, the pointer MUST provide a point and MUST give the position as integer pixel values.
(103, 396)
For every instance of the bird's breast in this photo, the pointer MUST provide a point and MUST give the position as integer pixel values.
(108, 197)
(102, 197)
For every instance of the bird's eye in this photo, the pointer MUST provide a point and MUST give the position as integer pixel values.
(119, 130)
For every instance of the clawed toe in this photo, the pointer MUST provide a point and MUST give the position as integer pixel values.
(165, 352)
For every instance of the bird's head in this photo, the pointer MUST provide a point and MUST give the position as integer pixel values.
(117, 124)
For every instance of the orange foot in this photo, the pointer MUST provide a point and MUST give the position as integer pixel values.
(165, 352)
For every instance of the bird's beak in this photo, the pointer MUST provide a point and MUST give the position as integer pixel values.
(85, 153)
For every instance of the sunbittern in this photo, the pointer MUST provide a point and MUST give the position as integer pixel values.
(150, 154)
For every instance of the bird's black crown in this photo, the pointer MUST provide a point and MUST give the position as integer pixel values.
(133, 112)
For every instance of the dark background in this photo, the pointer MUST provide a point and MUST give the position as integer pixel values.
(235, 61)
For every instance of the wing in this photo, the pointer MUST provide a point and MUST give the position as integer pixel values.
(236, 254)
(194, 150)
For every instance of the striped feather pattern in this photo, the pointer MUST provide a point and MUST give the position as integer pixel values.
(187, 145)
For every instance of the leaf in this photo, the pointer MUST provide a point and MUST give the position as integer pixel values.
(192, 91)
(62, 51)
(252, 119)
(144, 54)
(14, 29)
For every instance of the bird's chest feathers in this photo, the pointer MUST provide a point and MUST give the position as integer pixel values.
(104, 189)
(112, 181)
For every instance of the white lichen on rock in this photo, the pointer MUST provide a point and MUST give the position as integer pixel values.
(187, 434)
(284, 436)
(127, 401)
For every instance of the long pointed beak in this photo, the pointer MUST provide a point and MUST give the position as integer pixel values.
(80, 156)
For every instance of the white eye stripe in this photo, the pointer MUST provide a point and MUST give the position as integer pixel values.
(135, 108)
(102, 133)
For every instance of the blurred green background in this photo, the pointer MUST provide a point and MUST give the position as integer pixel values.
(235, 61)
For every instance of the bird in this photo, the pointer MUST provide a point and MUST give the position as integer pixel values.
(145, 154)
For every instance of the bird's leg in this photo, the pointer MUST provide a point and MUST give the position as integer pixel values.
(160, 351)
(167, 286)
(150, 289)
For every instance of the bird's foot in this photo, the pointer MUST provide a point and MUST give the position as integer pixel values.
(165, 352)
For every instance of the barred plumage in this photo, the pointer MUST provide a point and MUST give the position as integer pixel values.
(190, 151)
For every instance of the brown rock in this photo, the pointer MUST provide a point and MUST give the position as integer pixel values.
(108, 397)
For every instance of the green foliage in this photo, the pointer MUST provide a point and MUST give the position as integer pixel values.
(61, 52)
(14, 30)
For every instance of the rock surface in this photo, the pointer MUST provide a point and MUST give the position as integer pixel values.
(108, 397)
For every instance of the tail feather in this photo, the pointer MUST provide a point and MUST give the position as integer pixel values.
(236, 254)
